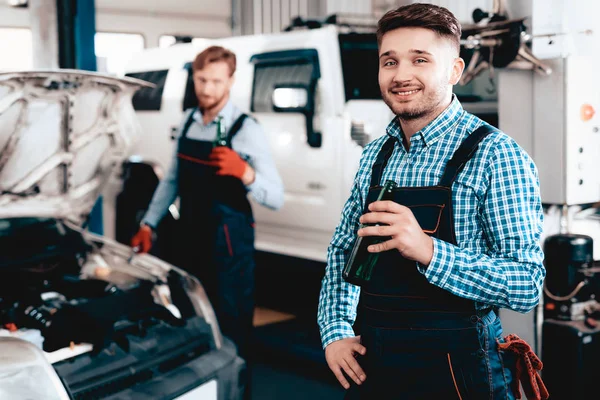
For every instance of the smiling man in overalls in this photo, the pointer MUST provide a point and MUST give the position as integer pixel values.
(460, 234)
(213, 181)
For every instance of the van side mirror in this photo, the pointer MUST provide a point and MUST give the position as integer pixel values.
(297, 98)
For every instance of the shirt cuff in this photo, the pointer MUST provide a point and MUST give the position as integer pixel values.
(257, 189)
(336, 331)
(442, 263)
(150, 222)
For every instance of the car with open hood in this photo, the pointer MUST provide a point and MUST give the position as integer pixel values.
(82, 316)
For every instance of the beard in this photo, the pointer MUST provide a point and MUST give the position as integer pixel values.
(211, 102)
(427, 103)
(412, 114)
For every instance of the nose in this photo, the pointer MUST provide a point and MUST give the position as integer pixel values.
(205, 88)
(403, 74)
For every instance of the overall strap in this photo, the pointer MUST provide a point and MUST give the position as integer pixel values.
(381, 161)
(232, 132)
(235, 128)
(464, 153)
(188, 122)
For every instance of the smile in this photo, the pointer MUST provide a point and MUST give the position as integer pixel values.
(408, 93)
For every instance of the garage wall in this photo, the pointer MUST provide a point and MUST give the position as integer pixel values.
(200, 18)
(267, 16)
(196, 18)
(13, 17)
(213, 18)
(461, 8)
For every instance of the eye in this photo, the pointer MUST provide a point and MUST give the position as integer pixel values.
(389, 63)
(420, 61)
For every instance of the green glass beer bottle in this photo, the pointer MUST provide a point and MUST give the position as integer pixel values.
(221, 139)
(359, 266)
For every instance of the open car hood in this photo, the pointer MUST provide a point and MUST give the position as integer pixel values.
(61, 134)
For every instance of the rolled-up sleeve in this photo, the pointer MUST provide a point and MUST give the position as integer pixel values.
(164, 195)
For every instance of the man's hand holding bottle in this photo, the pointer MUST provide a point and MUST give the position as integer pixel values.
(229, 163)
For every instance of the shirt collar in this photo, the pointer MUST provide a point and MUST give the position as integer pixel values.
(226, 112)
(435, 129)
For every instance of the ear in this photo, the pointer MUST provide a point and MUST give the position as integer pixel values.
(231, 81)
(458, 66)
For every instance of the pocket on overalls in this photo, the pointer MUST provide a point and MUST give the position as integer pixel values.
(429, 217)
(235, 233)
(502, 363)
(471, 374)
(491, 377)
(505, 375)
(417, 365)
(458, 379)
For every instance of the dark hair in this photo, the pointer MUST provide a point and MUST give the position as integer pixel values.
(215, 54)
(420, 15)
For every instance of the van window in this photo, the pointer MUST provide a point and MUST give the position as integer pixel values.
(296, 67)
(360, 65)
(149, 99)
(189, 96)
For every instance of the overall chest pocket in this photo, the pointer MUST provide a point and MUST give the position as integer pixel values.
(429, 216)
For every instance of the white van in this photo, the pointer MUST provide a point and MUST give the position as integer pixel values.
(316, 148)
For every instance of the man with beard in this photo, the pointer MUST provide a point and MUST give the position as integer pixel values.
(216, 227)
(458, 236)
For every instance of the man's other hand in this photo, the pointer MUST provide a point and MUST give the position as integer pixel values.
(142, 239)
(340, 356)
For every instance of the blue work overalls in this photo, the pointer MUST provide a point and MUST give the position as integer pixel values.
(422, 341)
(217, 235)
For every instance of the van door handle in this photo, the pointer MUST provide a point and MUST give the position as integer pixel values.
(315, 186)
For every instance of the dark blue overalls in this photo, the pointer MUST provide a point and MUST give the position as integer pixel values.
(422, 341)
(217, 235)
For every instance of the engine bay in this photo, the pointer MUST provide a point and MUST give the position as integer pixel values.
(54, 282)
(103, 318)
(80, 312)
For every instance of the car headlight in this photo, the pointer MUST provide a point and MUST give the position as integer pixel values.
(26, 374)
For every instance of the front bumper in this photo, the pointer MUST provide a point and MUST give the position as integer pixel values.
(163, 363)
(222, 366)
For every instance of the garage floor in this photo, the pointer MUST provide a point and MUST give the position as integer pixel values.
(300, 375)
(275, 381)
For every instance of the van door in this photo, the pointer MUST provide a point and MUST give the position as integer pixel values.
(286, 102)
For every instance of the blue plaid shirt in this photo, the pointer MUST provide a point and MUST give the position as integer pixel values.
(497, 214)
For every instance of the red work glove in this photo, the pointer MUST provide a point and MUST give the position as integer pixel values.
(526, 367)
(228, 162)
(142, 239)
